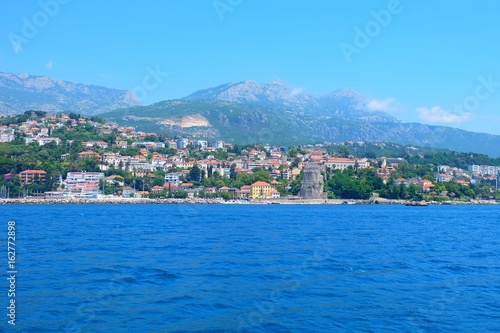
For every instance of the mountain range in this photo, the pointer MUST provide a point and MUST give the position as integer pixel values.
(275, 113)
(277, 94)
(241, 112)
(22, 92)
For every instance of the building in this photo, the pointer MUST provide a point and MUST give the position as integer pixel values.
(441, 177)
(156, 189)
(32, 176)
(219, 144)
(7, 137)
(128, 192)
(172, 178)
(344, 163)
(201, 144)
(312, 184)
(275, 195)
(182, 143)
(84, 183)
(148, 144)
(261, 190)
(185, 186)
(171, 187)
(244, 192)
(115, 179)
(43, 141)
(403, 181)
(484, 169)
(84, 154)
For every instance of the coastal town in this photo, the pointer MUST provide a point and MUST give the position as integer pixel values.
(56, 156)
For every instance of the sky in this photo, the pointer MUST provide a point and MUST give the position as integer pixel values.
(421, 61)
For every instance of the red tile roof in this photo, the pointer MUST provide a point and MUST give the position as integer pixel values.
(260, 183)
(34, 171)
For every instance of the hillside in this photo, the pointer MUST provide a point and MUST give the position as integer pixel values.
(22, 92)
(277, 94)
(249, 123)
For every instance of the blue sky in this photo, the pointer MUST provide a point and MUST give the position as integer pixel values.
(430, 62)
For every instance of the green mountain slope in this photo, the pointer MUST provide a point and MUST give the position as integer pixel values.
(242, 123)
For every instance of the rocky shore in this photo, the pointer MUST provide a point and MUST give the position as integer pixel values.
(110, 201)
(117, 200)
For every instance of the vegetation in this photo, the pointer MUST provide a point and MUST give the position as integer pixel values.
(58, 160)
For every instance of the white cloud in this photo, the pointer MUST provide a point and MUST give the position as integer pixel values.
(437, 114)
(385, 105)
(49, 65)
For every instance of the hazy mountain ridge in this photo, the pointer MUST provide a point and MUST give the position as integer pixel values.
(249, 123)
(344, 103)
(22, 92)
(242, 112)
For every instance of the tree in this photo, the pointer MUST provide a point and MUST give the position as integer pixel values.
(6, 165)
(296, 184)
(181, 194)
(261, 175)
(344, 151)
(89, 164)
(244, 178)
(195, 173)
(226, 196)
(232, 171)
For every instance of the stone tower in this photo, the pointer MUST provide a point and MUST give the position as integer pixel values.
(312, 182)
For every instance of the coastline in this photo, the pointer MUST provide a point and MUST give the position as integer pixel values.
(64, 201)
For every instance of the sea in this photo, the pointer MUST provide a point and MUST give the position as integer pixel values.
(252, 268)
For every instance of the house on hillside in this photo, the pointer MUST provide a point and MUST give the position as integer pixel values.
(261, 190)
(32, 176)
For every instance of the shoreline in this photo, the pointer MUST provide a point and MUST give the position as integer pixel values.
(64, 201)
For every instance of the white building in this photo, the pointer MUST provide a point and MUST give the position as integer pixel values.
(148, 144)
(218, 144)
(201, 144)
(43, 141)
(172, 178)
(6, 137)
(83, 183)
(344, 163)
(484, 169)
(182, 143)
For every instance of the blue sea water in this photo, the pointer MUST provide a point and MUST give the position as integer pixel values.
(254, 268)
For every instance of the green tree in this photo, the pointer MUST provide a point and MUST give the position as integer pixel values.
(195, 174)
(261, 175)
(344, 151)
(6, 165)
(232, 171)
(226, 196)
(296, 184)
(181, 194)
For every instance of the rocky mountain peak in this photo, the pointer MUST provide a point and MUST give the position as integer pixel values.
(22, 92)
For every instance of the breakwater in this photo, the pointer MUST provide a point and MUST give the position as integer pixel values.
(284, 201)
